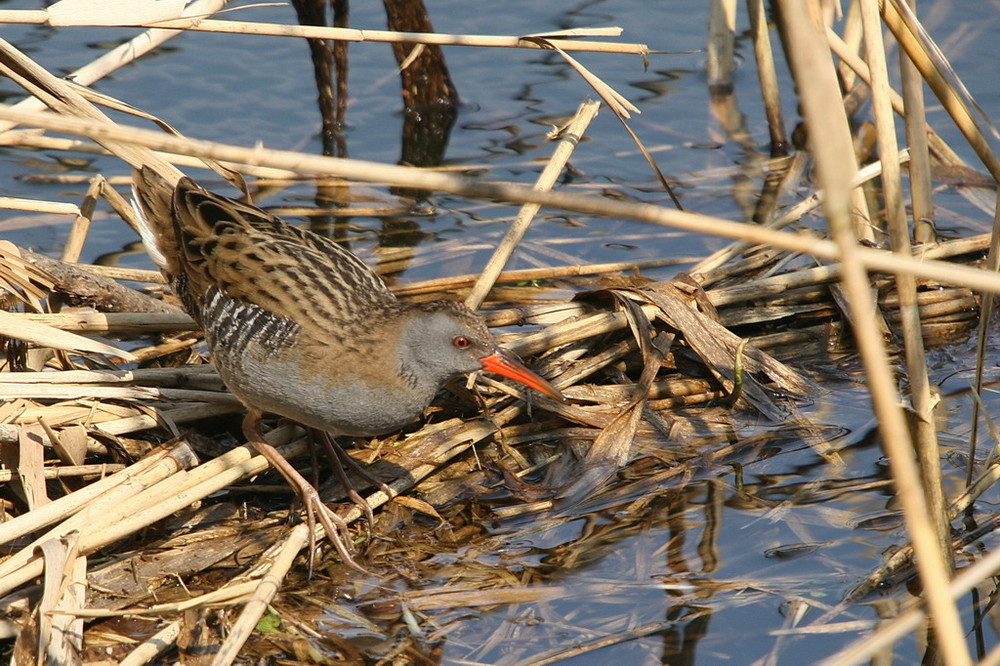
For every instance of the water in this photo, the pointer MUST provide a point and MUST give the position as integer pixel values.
(696, 572)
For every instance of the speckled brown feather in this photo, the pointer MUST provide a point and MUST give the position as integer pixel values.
(258, 259)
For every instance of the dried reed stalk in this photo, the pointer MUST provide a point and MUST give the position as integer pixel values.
(767, 77)
(811, 62)
(921, 192)
(55, 207)
(19, 327)
(264, 592)
(571, 136)
(906, 285)
(868, 258)
(196, 23)
(899, 21)
(150, 648)
(103, 522)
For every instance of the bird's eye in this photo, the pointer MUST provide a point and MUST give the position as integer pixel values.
(461, 342)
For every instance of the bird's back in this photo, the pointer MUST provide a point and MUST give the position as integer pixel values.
(213, 247)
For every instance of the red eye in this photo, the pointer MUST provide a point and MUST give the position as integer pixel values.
(461, 342)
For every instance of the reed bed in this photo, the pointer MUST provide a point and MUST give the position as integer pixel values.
(124, 493)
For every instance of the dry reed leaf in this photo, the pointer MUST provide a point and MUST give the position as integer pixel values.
(29, 459)
(608, 453)
(614, 99)
(22, 278)
(716, 346)
(70, 444)
(619, 104)
(113, 12)
(16, 326)
(60, 634)
(419, 505)
(614, 445)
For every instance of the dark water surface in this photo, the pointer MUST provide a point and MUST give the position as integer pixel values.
(704, 572)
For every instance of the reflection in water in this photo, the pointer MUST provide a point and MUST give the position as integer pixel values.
(429, 98)
(644, 568)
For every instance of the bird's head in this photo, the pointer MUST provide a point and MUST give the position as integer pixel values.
(445, 339)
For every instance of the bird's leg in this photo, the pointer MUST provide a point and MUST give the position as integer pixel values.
(314, 463)
(338, 457)
(358, 469)
(333, 524)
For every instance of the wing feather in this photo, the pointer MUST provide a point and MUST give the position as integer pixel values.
(256, 258)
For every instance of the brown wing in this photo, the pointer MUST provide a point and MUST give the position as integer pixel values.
(255, 258)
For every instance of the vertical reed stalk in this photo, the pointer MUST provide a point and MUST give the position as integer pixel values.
(915, 118)
(721, 40)
(767, 77)
(943, 90)
(830, 141)
(906, 285)
(986, 312)
(852, 40)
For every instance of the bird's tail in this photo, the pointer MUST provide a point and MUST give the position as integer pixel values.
(153, 202)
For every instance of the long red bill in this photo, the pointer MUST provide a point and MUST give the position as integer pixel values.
(504, 363)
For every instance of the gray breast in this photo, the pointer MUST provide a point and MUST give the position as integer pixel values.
(254, 353)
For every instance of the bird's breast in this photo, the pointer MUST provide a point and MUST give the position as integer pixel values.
(324, 394)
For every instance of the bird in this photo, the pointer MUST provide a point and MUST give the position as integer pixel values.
(298, 326)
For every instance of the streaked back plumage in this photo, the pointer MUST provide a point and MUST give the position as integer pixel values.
(205, 241)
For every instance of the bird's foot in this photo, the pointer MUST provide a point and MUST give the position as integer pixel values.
(336, 529)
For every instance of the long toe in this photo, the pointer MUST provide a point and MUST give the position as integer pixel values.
(334, 526)
(336, 530)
